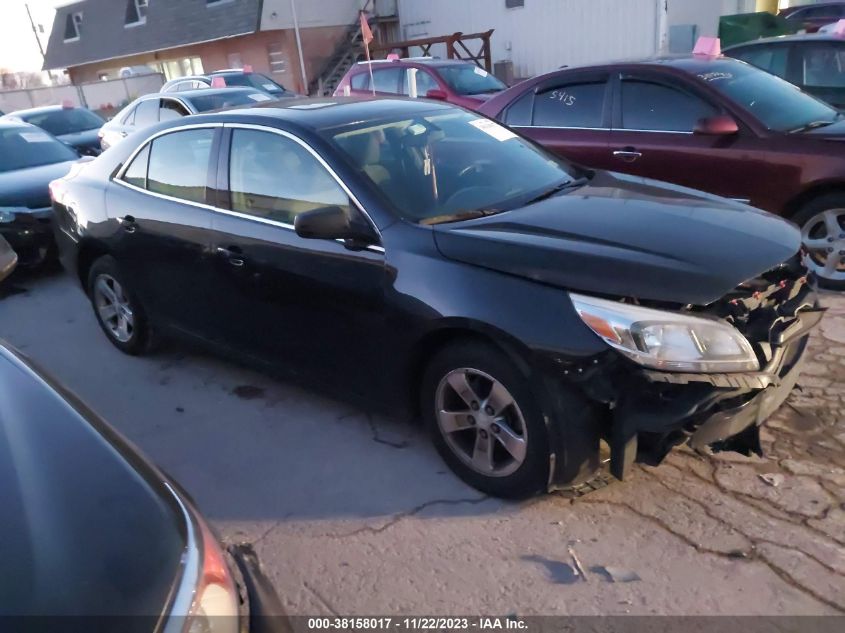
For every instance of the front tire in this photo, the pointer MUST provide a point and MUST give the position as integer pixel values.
(822, 223)
(117, 308)
(485, 422)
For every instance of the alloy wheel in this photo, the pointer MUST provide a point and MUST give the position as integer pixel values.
(481, 422)
(823, 236)
(113, 308)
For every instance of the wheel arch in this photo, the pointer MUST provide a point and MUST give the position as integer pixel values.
(448, 333)
(815, 190)
(89, 252)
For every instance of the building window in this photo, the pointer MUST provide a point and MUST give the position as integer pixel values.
(513, 4)
(73, 26)
(277, 58)
(136, 12)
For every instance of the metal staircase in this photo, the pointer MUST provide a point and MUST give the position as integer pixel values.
(349, 51)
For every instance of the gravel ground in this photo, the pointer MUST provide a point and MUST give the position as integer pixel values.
(352, 513)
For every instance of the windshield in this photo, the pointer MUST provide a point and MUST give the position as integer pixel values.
(65, 121)
(777, 104)
(254, 80)
(23, 147)
(447, 164)
(469, 79)
(226, 99)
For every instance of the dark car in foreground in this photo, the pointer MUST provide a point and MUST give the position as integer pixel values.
(154, 108)
(231, 77)
(811, 17)
(814, 63)
(93, 530)
(77, 127)
(29, 159)
(710, 123)
(459, 82)
(431, 260)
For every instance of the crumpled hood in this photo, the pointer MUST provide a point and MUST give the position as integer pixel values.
(30, 187)
(628, 237)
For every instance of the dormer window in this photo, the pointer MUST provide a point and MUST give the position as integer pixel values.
(73, 27)
(136, 12)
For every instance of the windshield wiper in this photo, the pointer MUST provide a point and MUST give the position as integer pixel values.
(548, 193)
(460, 216)
(812, 125)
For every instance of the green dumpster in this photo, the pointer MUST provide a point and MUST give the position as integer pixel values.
(736, 29)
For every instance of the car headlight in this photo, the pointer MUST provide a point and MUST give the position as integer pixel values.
(665, 340)
(6, 216)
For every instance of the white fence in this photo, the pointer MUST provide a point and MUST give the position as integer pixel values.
(103, 96)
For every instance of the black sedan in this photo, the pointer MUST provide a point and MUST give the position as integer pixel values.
(430, 259)
(91, 529)
(77, 127)
(29, 159)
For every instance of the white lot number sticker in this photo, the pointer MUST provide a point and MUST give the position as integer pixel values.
(480, 71)
(260, 97)
(269, 87)
(492, 128)
(35, 137)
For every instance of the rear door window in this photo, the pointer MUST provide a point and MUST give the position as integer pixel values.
(652, 106)
(387, 80)
(136, 173)
(171, 109)
(425, 82)
(772, 59)
(146, 113)
(361, 81)
(822, 64)
(178, 164)
(574, 105)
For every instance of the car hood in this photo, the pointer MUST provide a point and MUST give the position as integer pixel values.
(29, 187)
(628, 237)
(834, 132)
(82, 140)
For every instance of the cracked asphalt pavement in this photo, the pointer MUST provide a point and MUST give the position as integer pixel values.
(352, 513)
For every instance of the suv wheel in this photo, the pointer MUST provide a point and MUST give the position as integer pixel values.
(118, 311)
(484, 421)
(822, 223)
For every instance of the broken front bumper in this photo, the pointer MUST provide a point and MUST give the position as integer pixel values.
(722, 411)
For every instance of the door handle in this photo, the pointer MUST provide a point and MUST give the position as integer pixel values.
(129, 224)
(628, 154)
(234, 255)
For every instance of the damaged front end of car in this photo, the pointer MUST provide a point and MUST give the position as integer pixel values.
(756, 335)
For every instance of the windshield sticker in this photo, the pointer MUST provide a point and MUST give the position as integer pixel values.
(35, 137)
(480, 71)
(260, 97)
(564, 97)
(492, 128)
(268, 86)
(714, 76)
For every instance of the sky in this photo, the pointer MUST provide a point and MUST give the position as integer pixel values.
(18, 49)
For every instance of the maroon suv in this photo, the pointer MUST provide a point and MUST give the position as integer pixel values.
(458, 82)
(714, 124)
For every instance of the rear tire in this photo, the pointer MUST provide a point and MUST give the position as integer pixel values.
(822, 223)
(503, 451)
(117, 308)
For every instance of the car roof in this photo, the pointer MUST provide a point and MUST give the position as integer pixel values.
(201, 92)
(333, 112)
(6, 124)
(798, 37)
(433, 62)
(42, 109)
(685, 62)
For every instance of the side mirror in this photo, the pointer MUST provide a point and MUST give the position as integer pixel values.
(436, 93)
(722, 125)
(334, 223)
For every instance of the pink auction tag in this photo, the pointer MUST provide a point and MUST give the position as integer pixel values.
(247, 68)
(839, 29)
(218, 82)
(708, 46)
